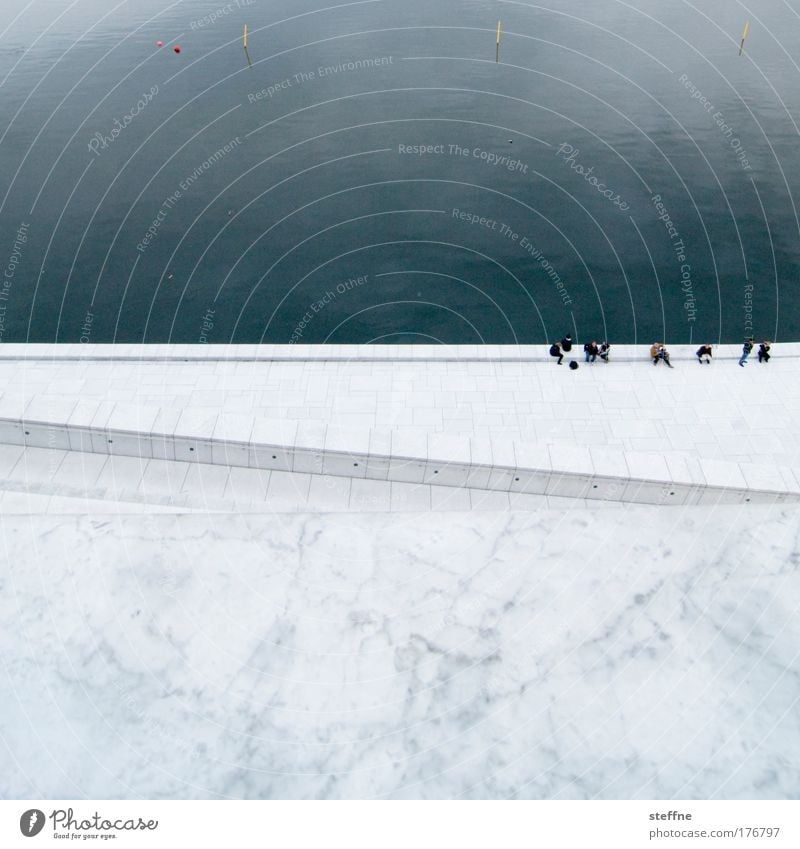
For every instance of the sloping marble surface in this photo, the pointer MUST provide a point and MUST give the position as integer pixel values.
(634, 653)
(717, 425)
(44, 480)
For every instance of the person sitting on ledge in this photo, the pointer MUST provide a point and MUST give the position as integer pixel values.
(605, 350)
(591, 351)
(663, 354)
(555, 351)
(654, 352)
(703, 351)
(566, 343)
(763, 351)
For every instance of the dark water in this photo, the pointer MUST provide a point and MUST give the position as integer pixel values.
(274, 201)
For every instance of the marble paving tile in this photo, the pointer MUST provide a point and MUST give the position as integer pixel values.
(451, 499)
(288, 487)
(79, 469)
(370, 495)
(328, 494)
(205, 481)
(246, 485)
(486, 500)
(9, 457)
(122, 474)
(35, 464)
(410, 497)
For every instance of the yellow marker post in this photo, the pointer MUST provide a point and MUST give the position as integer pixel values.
(744, 36)
(497, 50)
(244, 44)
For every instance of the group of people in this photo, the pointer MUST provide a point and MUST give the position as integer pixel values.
(763, 350)
(703, 353)
(591, 350)
(658, 352)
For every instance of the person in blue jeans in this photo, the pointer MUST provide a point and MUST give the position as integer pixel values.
(591, 351)
(746, 349)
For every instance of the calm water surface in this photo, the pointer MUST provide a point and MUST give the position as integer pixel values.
(369, 172)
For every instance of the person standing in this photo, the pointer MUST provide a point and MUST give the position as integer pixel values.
(703, 351)
(591, 351)
(763, 351)
(555, 351)
(746, 349)
(566, 343)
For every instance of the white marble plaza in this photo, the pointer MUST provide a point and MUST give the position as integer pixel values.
(180, 625)
(637, 652)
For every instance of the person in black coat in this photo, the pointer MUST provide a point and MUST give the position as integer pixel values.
(566, 343)
(763, 351)
(555, 351)
(591, 351)
(605, 350)
(703, 351)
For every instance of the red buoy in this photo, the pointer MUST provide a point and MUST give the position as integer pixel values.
(177, 48)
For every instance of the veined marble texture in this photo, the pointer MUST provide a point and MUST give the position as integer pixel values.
(635, 652)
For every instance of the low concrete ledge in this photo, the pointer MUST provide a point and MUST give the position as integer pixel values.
(352, 353)
(198, 436)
